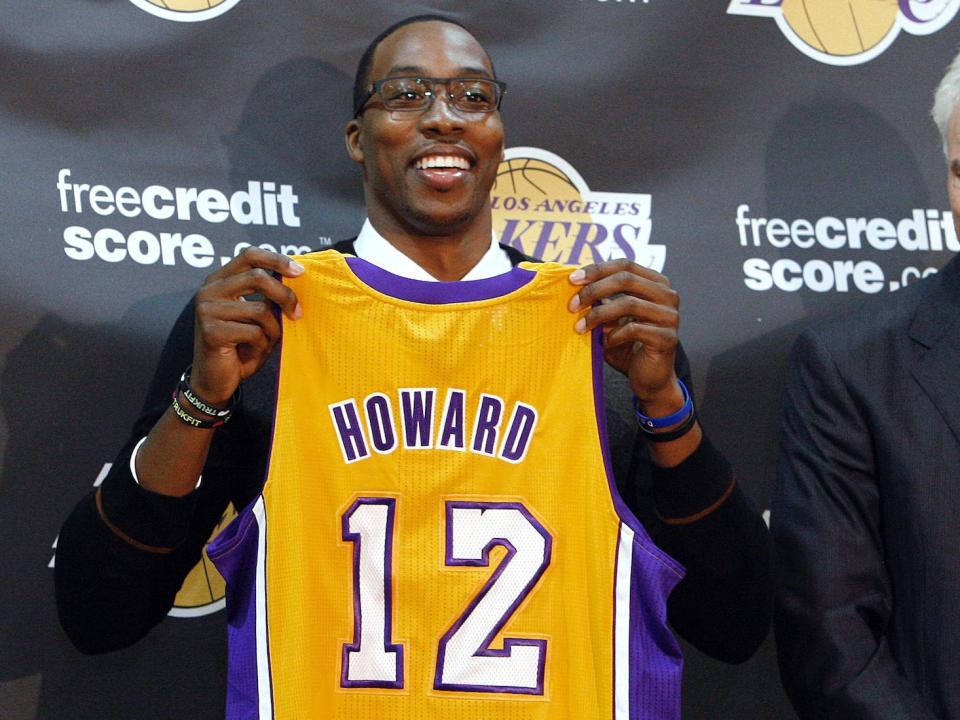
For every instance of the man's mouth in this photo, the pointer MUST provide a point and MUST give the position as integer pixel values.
(442, 162)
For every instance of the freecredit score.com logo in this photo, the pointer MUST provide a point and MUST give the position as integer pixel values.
(185, 10)
(848, 32)
(262, 203)
(543, 207)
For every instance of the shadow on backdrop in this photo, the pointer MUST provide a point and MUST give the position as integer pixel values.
(830, 158)
(291, 131)
(70, 394)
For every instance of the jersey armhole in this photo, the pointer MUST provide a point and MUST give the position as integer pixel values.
(623, 511)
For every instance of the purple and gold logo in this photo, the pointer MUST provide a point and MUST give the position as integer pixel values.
(849, 32)
(204, 590)
(185, 10)
(542, 207)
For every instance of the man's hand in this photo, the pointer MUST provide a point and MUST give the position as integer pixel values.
(639, 314)
(234, 336)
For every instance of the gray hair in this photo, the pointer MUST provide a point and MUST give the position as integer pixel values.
(946, 100)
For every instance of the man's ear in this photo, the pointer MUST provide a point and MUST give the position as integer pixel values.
(352, 139)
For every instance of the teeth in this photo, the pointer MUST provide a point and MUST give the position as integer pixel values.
(443, 161)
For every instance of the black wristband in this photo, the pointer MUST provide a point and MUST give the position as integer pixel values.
(193, 420)
(215, 417)
(197, 403)
(678, 432)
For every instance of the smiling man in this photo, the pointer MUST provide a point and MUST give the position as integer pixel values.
(428, 170)
(428, 135)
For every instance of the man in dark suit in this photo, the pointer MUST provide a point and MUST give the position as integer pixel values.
(865, 513)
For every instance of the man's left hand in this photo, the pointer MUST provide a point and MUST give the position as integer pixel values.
(639, 313)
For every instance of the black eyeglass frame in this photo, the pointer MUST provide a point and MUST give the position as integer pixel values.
(430, 82)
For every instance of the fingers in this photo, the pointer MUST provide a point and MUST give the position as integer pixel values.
(254, 257)
(255, 281)
(654, 338)
(621, 290)
(232, 340)
(251, 273)
(591, 273)
(234, 335)
(230, 324)
(629, 310)
(608, 279)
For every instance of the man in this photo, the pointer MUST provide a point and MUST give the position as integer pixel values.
(864, 517)
(427, 175)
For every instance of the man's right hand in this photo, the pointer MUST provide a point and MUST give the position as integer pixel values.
(232, 339)
(234, 336)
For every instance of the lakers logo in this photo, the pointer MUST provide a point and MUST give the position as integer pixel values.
(204, 590)
(185, 10)
(542, 207)
(849, 32)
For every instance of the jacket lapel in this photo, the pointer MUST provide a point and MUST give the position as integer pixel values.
(936, 326)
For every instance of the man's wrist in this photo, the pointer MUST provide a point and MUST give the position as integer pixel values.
(190, 408)
(669, 401)
(667, 409)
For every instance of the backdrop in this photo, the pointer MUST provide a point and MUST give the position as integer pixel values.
(773, 157)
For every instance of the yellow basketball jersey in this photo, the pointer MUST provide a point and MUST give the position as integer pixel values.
(439, 535)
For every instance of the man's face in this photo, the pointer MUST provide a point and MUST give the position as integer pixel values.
(397, 149)
(953, 167)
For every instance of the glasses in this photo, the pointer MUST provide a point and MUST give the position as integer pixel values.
(468, 96)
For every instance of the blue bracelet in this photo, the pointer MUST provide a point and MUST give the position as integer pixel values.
(649, 424)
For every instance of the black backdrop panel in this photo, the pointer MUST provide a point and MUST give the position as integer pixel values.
(777, 165)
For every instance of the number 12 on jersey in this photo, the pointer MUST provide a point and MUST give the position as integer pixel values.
(465, 660)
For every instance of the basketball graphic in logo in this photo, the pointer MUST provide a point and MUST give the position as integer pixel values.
(848, 32)
(204, 590)
(185, 10)
(539, 176)
(841, 28)
(535, 183)
(543, 207)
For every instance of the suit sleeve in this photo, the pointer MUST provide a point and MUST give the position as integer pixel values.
(123, 552)
(834, 596)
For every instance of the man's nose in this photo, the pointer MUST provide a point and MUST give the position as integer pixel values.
(441, 116)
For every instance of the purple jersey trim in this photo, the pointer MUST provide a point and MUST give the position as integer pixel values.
(654, 656)
(625, 513)
(614, 634)
(656, 662)
(438, 293)
(234, 552)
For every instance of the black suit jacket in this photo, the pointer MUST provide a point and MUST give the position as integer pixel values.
(866, 516)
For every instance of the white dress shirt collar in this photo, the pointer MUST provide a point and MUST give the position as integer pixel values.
(374, 248)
